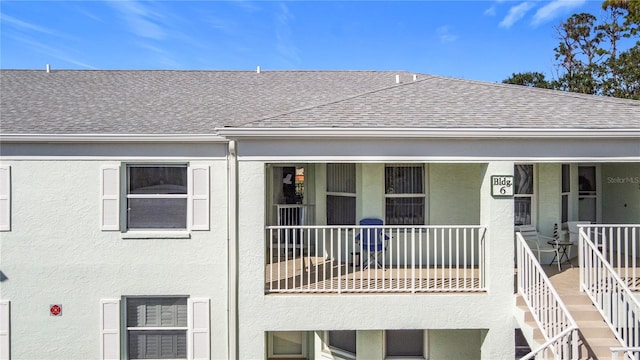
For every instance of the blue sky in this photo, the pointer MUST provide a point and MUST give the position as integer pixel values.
(480, 40)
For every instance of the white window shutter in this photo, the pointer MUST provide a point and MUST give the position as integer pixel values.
(199, 197)
(4, 330)
(5, 198)
(110, 198)
(198, 329)
(110, 329)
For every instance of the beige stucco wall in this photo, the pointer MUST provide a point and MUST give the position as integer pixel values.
(56, 253)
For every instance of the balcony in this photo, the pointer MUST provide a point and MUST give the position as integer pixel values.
(414, 259)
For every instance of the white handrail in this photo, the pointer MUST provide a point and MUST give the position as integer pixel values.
(549, 311)
(608, 292)
(410, 258)
(628, 350)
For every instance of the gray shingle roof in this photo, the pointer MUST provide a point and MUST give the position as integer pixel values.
(437, 102)
(196, 102)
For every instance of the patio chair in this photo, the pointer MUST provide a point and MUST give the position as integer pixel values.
(373, 241)
(540, 243)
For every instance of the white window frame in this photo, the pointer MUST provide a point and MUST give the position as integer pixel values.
(343, 194)
(594, 194)
(128, 329)
(533, 196)
(425, 347)
(130, 196)
(566, 194)
(303, 342)
(409, 195)
(114, 199)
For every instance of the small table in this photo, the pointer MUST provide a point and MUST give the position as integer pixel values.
(563, 247)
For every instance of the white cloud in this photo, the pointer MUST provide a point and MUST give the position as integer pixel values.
(56, 52)
(142, 20)
(554, 9)
(515, 14)
(491, 11)
(445, 35)
(285, 44)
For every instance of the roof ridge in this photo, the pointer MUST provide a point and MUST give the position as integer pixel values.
(563, 93)
(427, 77)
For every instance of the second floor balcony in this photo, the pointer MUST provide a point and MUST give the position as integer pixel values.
(373, 257)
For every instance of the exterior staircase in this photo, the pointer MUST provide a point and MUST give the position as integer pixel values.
(596, 338)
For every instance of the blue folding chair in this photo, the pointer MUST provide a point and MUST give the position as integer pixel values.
(372, 240)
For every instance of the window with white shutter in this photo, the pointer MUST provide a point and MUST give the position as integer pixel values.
(5, 315)
(110, 198)
(110, 329)
(155, 197)
(199, 329)
(5, 198)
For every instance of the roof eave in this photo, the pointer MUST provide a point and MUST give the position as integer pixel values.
(471, 133)
(110, 138)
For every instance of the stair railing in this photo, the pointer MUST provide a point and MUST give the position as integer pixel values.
(609, 293)
(631, 352)
(549, 311)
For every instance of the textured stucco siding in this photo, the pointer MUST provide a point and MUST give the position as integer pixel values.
(56, 253)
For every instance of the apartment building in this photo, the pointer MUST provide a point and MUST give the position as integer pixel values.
(288, 214)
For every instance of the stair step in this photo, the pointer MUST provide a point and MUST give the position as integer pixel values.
(577, 299)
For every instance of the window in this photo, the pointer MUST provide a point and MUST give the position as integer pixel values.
(284, 344)
(405, 343)
(155, 197)
(341, 194)
(566, 191)
(5, 198)
(523, 197)
(404, 195)
(587, 193)
(341, 343)
(156, 327)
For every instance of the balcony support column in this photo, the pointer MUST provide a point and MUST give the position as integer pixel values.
(497, 214)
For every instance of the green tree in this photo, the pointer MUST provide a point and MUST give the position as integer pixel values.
(531, 79)
(627, 66)
(588, 56)
(578, 54)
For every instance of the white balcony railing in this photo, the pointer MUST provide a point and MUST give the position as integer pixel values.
(620, 247)
(321, 259)
(550, 313)
(605, 277)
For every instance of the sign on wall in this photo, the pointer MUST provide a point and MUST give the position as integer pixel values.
(55, 310)
(502, 185)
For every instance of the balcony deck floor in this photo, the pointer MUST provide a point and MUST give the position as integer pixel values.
(317, 275)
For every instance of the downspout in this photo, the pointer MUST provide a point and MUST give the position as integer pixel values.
(232, 200)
